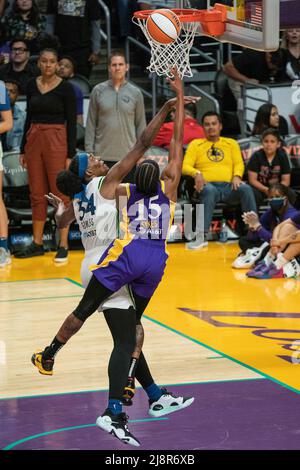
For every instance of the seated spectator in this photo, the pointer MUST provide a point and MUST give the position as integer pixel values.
(287, 58)
(67, 68)
(12, 139)
(268, 165)
(249, 66)
(267, 116)
(282, 260)
(19, 68)
(216, 165)
(192, 130)
(256, 242)
(4, 49)
(76, 23)
(24, 21)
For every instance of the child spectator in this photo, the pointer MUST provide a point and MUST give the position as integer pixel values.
(267, 116)
(268, 165)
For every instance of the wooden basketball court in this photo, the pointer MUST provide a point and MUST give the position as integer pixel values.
(210, 332)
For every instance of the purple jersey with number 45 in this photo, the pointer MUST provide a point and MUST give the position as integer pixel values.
(139, 256)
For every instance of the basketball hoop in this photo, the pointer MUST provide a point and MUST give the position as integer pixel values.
(166, 56)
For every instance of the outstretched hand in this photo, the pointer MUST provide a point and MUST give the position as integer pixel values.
(175, 82)
(56, 202)
(186, 100)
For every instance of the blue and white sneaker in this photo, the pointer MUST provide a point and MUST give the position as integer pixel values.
(116, 425)
(5, 258)
(168, 403)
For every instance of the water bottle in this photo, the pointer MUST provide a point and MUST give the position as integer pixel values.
(223, 232)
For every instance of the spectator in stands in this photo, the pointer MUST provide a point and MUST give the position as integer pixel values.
(24, 21)
(76, 23)
(11, 140)
(66, 70)
(116, 115)
(5, 125)
(281, 261)
(3, 5)
(287, 58)
(4, 45)
(192, 130)
(255, 244)
(283, 258)
(249, 66)
(216, 165)
(48, 144)
(267, 116)
(268, 165)
(19, 68)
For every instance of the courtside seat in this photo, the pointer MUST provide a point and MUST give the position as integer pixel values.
(248, 146)
(82, 82)
(16, 190)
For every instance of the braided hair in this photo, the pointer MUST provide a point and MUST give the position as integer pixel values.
(146, 177)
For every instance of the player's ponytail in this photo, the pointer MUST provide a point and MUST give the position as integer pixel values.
(146, 177)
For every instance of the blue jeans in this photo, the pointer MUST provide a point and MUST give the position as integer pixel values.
(213, 193)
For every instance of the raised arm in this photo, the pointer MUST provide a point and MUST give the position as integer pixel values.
(63, 215)
(123, 167)
(172, 173)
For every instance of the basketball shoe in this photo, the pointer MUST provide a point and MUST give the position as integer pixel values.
(45, 366)
(117, 426)
(129, 392)
(168, 403)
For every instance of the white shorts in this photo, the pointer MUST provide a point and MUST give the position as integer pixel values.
(120, 299)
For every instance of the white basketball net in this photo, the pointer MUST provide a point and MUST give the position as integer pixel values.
(166, 56)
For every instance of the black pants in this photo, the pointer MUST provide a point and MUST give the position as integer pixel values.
(122, 324)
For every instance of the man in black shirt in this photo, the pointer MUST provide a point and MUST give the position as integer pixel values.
(19, 68)
(76, 23)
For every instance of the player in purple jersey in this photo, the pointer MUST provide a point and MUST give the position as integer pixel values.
(145, 234)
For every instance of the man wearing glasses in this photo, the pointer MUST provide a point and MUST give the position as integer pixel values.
(19, 68)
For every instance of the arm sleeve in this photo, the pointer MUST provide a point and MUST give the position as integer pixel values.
(238, 163)
(188, 167)
(265, 232)
(91, 123)
(70, 117)
(140, 119)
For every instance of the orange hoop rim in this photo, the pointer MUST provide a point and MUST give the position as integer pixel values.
(185, 15)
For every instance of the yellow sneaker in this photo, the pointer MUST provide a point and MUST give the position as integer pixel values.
(45, 367)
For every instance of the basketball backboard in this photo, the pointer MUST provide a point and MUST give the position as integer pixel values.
(251, 23)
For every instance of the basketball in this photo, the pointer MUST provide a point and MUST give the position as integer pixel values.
(163, 26)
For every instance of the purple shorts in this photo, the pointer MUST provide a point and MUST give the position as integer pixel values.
(140, 263)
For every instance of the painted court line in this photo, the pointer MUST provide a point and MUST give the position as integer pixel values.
(71, 428)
